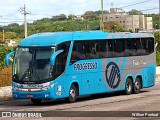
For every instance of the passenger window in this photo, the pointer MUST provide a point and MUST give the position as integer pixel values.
(91, 49)
(78, 52)
(143, 49)
(131, 47)
(119, 47)
(139, 46)
(150, 45)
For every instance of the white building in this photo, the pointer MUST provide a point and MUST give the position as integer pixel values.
(128, 22)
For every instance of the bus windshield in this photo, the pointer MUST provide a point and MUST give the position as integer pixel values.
(32, 64)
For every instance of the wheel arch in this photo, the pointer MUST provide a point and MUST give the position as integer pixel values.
(129, 76)
(76, 84)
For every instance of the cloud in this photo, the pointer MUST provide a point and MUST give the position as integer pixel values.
(48, 8)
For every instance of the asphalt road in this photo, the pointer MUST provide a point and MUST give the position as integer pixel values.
(111, 105)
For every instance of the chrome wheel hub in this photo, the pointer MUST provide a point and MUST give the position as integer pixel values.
(72, 93)
(128, 87)
(137, 85)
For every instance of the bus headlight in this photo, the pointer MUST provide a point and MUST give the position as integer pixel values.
(49, 87)
(15, 87)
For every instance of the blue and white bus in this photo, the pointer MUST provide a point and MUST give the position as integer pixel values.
(71, 64)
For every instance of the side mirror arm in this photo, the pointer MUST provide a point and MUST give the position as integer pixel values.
(53, 57)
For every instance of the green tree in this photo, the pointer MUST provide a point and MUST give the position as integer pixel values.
(62, 17)
(90, 15)
(4, 50)
(135, 12)
(113, 26)
(71, 16)
(158, 58)
(156, 18)
(13, 25)
(100, 12)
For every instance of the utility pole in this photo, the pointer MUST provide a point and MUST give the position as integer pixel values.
(24, 12)
(159, 15)
(102, 20)
(159, 22)
(3, 36)
(86, 22)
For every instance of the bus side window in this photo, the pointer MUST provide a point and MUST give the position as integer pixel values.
(78, 52)
(119, 47)
(61, 59)
(139, 46)
(131, 47)
(144, 51)
(105, 49)
(91, 49)
(102, 49)
(150, 45)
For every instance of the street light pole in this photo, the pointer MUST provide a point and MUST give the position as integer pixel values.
(102, 21)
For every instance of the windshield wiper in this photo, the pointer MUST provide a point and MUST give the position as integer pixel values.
(27, 71)
(35, 73)
(25, 74)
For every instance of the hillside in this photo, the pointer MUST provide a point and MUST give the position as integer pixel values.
(62, 23)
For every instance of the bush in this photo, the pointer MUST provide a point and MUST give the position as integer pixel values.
(3, 52)
(158, 58)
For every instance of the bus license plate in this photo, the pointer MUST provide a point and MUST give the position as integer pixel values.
(29, 96)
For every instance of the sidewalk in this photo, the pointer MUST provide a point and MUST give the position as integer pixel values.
(5, 93)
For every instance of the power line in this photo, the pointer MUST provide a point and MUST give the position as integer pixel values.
(17, 19)
(12, 22)
(11, 13)
(148, 9)
(135, 3)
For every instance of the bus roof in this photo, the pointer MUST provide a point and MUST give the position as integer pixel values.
(50, 39)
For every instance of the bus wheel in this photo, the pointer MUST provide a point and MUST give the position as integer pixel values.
(36, 101)
(128, 86)
(137, 86)
(73, 93)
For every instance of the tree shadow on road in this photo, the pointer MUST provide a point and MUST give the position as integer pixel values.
(28, 103)
(86, 98)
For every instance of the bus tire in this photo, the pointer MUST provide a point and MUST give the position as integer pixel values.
(137, 86)
(36, 101)
(128, 86)
(73, 93)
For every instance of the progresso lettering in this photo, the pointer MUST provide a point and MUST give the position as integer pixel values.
(86, 66)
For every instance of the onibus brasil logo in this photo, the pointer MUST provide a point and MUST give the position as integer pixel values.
(112, 75)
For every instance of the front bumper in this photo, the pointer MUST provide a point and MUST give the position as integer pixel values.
(45, 94)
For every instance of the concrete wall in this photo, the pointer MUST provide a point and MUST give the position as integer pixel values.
(148, 23)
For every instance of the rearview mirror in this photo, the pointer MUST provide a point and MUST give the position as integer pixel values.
(8, 57)
(53, 57)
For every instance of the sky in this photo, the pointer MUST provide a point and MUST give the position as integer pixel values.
(38, 9)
